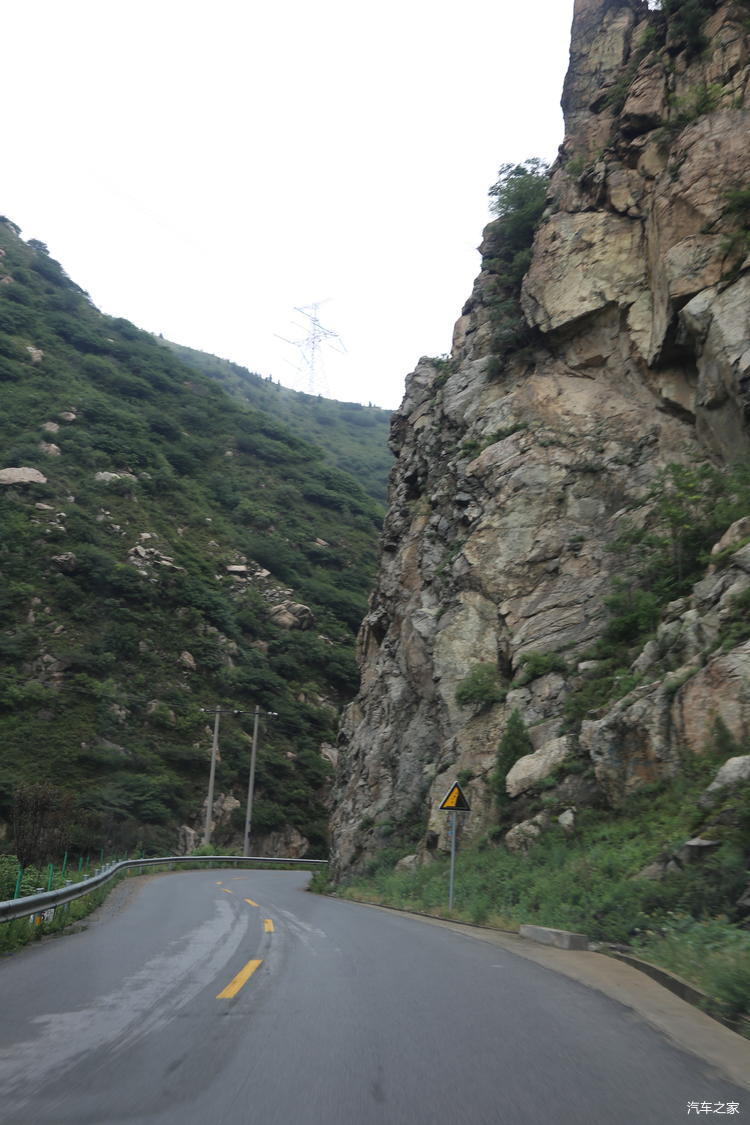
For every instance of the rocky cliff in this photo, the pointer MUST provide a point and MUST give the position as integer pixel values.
(518, 469)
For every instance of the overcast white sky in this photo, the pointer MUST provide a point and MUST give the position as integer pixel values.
(203, 168)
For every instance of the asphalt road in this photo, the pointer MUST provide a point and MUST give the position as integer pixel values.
(183, 1002)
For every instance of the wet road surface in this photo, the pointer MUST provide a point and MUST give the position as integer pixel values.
(229, 997)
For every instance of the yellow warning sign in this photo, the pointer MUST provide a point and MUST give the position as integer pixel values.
(455, 801)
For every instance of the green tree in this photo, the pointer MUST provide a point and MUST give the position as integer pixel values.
(686, 18)
(517, 199)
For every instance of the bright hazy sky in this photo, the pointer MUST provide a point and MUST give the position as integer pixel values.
(202, 169)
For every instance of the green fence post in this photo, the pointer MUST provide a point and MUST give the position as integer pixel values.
(64, 866)
(50, 877)
(17, 891)
(80, 863)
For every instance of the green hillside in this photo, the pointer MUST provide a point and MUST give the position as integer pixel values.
(354, 437)
(119, 617)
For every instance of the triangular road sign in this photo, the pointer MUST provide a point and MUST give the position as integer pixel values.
(455, 801)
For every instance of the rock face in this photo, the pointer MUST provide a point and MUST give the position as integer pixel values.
(513, 478)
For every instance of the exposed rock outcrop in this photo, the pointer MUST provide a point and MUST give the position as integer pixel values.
(22, 475)
(292, 615)
(516, 473)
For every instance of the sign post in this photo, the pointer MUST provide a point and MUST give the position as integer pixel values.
(454, 802)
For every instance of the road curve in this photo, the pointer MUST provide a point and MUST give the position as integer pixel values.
(233, 998)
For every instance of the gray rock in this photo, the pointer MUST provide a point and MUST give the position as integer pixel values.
(533, 768)
(408, 863)
(521, 837)
(67, 562)
(734, 772)
(292, 615)
(22, 475)
(693, 851)
(567, 820)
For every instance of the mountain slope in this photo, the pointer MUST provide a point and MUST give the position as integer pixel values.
(354, 437)
(149, 527)
(546, 625)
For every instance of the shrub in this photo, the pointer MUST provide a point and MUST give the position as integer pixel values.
(536, 664)
(480, 688)
(514, 744)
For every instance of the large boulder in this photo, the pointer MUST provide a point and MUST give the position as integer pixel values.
(292, 615)
(734, 772)
(521, 837)
(533, 768)
(22, 475)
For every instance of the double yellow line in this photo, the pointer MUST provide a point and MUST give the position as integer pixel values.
(243, 976)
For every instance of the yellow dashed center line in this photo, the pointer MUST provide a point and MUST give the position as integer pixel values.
(219, 882)
(227, 891)
(243, 976)
(268, 925)
(250, 902)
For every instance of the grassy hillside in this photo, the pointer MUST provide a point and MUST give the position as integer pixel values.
(119, 617)
(354, 437)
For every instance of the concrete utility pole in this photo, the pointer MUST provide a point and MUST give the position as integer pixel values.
(251, 781)
(217, 711)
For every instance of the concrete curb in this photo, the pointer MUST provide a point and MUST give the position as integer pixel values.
(561, 939)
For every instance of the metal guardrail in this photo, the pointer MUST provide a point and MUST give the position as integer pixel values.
(37, 904)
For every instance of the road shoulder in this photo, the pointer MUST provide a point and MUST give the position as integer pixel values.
(686, 1026)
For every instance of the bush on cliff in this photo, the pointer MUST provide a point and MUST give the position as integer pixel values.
(480, 688)
(517, 199)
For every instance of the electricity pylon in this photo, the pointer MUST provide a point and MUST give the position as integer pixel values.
(310, 345)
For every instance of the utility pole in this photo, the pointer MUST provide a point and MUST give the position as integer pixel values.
(251, 781)
(217, 711)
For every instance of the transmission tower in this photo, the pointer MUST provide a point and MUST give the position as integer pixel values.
(315, 337)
